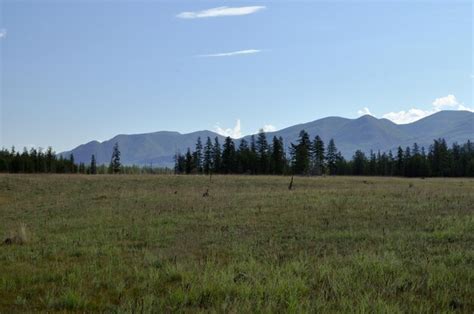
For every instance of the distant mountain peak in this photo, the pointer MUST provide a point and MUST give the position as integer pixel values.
(365, 133)
(367, 117)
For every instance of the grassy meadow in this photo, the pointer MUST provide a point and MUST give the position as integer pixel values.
(155, 244)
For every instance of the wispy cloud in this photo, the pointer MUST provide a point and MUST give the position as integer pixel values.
(230, 54)
(220, 11)
(3, 33)
(414, 114)
(235, 132)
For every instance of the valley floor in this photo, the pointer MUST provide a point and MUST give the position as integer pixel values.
(155, 243)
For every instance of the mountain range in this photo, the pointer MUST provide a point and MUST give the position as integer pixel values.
(365, 133)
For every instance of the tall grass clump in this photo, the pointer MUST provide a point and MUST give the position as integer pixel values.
(17, 236)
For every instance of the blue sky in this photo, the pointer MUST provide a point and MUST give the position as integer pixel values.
(75, 71)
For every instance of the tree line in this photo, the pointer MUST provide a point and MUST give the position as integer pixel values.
(39, 161)
(314, 157)
(257, 156)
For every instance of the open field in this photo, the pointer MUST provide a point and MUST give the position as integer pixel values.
(143, 243)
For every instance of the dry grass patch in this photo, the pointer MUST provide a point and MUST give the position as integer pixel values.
(17, 236)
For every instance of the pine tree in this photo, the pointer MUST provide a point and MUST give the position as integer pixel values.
(49, 160)
(253, 156)
(262, 153)
(179, 164)
(115, 166)
(331, 157)
(400, 163)
(198, 158)
(243, 157)
(372, 164)
(208, 153)
(34, 159)
(93, 166)
(72, 165)
(189, 168)
(300, 154)
(439, 157)
(82, 168)
(216, 156)
(341, 167)
(416, 149)
(228, 156)
(359, 162)
(278, 160)
(456, 163)
(318, 166)
(390, 164)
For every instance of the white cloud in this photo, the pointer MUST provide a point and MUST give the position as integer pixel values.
(447, 101)
(364, 111)
(233, 53)
(414, 114)
(3, 33)
(235, 132)
(220, 11)
(403, 117)
(269, 128)
(462, 107)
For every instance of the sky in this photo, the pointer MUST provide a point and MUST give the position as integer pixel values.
(75, 71)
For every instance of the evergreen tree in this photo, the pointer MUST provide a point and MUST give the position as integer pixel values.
(208, 156)
(456, 163)
(341, 167)
(189, 162)
(468, 159)
(49, 160)
(93, 166)
(253, 156)
(439, 157)
(4, 161)
(278, 160)
(198, 158)
(262, 153)
(331, 157)
(216, 156)
(243, 157)
(72, 165)
(318, 157)
(400, 168)
(228, 156)
(115, 165)
(372, 164)
(391, 169)
(407, 157)
(358, 163)
(300, 154)
(416, 149)
(82, 168)
(179, 164)
(34, 159)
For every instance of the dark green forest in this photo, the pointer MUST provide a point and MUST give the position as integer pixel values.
(314, 157)
(260, 157)
(39, 161)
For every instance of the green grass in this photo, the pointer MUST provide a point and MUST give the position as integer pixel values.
(151, 243)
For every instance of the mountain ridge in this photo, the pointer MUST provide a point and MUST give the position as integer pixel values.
(365, 133)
